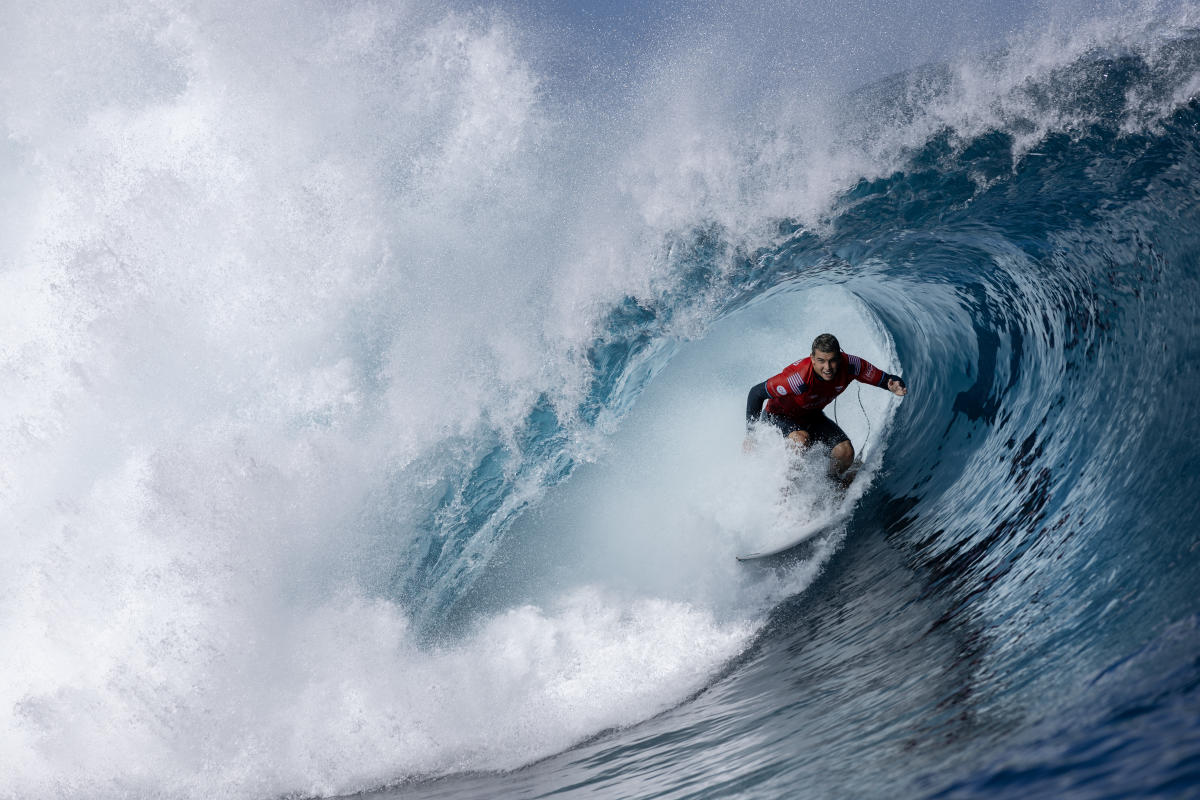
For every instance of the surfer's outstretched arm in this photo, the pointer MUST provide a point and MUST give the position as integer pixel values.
(866, 372)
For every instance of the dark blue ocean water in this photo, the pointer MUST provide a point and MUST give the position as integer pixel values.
(1015, 609)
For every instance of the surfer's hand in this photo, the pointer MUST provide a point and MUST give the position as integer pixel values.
(896, 386)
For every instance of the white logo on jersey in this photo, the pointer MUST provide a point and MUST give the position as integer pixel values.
(782, 390)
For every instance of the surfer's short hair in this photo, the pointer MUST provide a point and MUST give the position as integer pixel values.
(826, 343)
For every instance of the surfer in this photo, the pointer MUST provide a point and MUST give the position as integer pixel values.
(795, 399)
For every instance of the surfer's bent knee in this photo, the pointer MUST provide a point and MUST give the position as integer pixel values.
(800, 438)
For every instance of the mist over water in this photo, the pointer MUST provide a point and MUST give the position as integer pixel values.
(373, 373)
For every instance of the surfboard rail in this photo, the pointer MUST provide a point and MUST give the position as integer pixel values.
(805, 533)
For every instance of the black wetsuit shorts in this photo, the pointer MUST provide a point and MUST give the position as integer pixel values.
(820, 428)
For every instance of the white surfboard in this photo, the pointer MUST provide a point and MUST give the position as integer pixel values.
(803, 534)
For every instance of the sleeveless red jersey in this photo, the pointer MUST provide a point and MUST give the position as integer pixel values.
(798, 391)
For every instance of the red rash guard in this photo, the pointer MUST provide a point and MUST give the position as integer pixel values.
(797, 390)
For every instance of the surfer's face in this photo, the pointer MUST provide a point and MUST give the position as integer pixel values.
(825, 364)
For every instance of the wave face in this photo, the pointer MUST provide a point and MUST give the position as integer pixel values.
(373, 412)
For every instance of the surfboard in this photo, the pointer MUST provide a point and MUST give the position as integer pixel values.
(803, 535)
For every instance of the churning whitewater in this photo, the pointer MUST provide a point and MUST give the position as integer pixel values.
(373, 386)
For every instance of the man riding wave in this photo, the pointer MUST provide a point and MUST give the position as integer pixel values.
(796, 397)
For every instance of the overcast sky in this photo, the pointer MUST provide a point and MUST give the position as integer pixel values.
(849, 42)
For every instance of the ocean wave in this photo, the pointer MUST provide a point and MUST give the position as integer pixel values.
(357, 383)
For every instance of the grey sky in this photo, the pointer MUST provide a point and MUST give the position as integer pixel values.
(841, 43)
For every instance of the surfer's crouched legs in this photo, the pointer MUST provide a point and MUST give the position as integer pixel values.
(840, 457)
